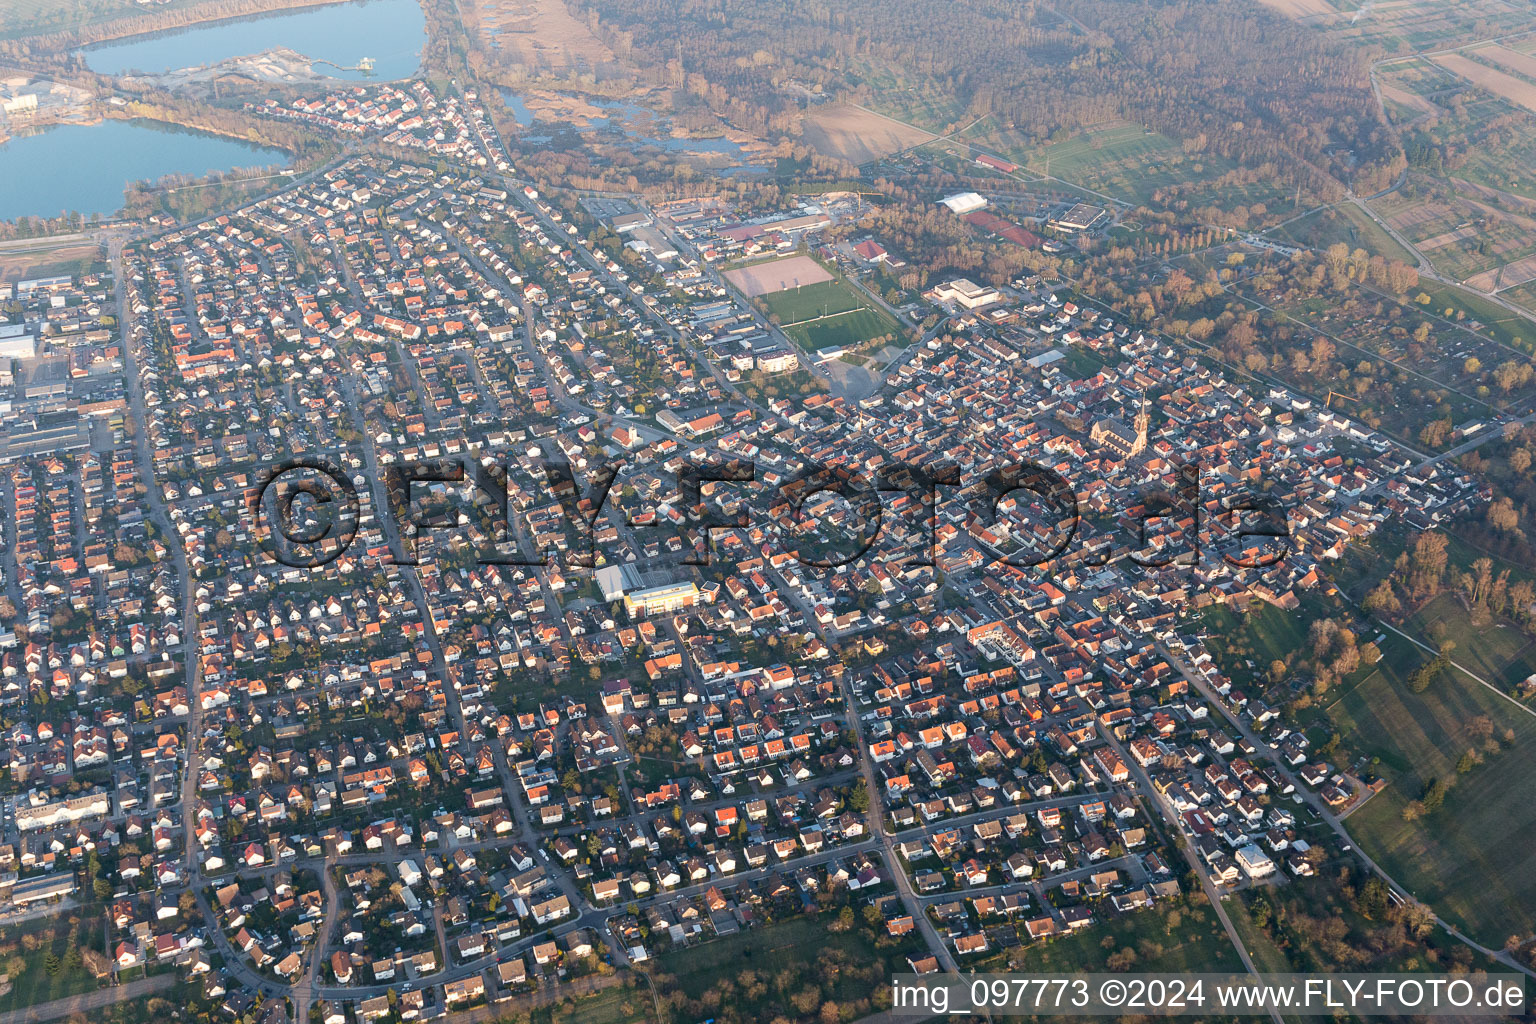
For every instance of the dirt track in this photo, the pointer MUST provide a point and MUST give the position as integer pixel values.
(777, 275)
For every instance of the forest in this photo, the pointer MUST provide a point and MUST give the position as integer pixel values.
(1182, 67)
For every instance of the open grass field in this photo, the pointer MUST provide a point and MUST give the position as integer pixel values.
(26, 948)
(843, 331)
(1461, 859)
(859, 135)
(20, 263)
(1251, 640)
(1494, 321)
(1122, 159)
(1126, 161)
(810, 301)
(792, 945)
(777, 275)
(1523, 296)
(1348, 224)
(1183, 939)
(1498, 652)
(616, 1005)
(910, 98)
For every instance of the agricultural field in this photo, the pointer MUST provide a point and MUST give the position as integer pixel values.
(1397, 26)
(1501, 83)
(1510, 275)
(859, 135)
(1421, 79)
(1461, 233)
(1515, 61)
(1455, 858)
(1308, 11)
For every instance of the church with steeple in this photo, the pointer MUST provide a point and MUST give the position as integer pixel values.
(1120, 439)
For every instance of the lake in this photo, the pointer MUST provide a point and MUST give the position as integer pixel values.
(86, 167)
(392, 32)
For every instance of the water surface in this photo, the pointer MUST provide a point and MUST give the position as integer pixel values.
(84, 168)
(392, 32)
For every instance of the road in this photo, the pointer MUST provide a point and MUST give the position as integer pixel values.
(1213, 894)
(874, 824)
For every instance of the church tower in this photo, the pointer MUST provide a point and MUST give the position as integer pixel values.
(1143, 421)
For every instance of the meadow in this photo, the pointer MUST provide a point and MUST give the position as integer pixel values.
(1462, 858)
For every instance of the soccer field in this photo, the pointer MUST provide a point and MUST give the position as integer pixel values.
(795, 304)
(827, 315)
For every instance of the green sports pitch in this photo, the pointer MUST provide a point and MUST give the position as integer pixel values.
(827, 315)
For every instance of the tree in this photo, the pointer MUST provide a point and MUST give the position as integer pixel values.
(1373, 899)
(1435, 433)
(1383, 599)
(1434, 795)
(1502, 516)
(1428, 563)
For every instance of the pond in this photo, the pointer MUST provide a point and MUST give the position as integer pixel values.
(634, 122)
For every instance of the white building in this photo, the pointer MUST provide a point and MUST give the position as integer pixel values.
(963, 202)
(17, 342)
(967, 293)
(1255, 862)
